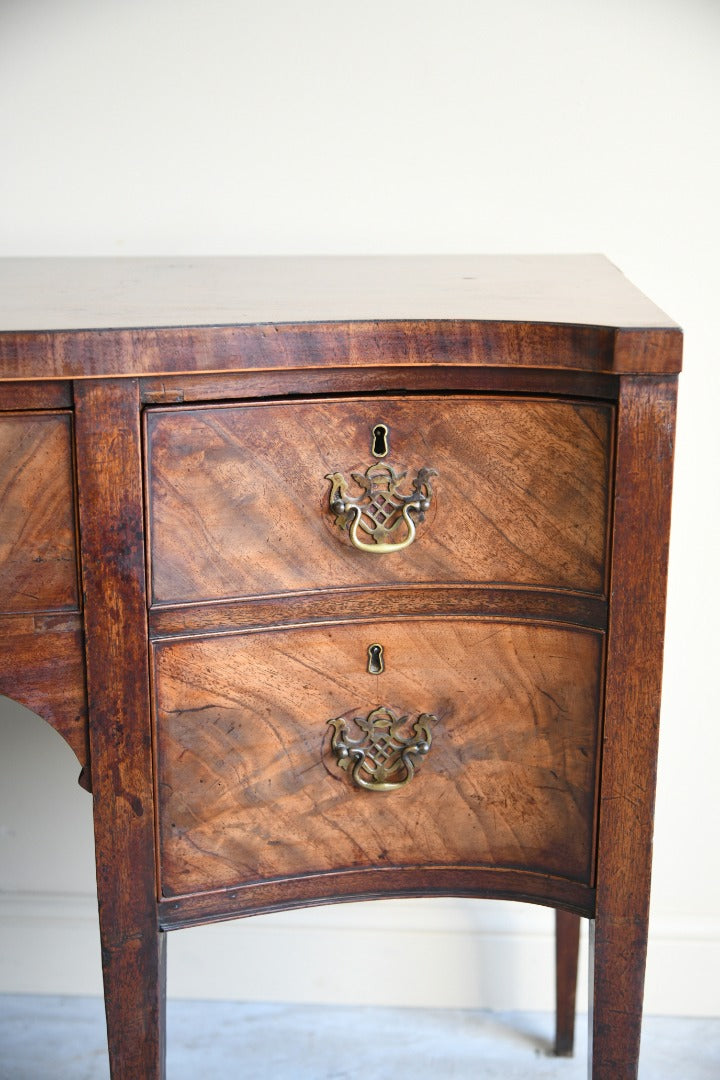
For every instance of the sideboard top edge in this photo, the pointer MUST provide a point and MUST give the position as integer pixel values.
(204, 349)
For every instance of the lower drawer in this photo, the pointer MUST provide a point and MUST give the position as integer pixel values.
(254, 783)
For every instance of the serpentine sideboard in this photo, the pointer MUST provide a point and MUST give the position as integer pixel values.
(344, 578)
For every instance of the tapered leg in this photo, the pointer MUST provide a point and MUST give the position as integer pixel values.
(618, 937)
(107, 430)
(567, 944)
(134, 980)
(618, 949)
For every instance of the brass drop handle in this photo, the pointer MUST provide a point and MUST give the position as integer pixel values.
(380, 548)
(381, 510)
(381, 759)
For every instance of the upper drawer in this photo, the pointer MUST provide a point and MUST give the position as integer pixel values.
(38, 561)
(239, 496)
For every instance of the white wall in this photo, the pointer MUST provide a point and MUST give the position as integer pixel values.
(253, 126)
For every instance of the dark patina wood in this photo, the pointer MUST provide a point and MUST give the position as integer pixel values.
(38, 551)
(567, 945)
(348, 381)
(113, 575)
(41, 641)
(81, 354)
(35, 395)
(545, 605)
(527, 617)
(42, 667)
(646, 430)
(350, 885)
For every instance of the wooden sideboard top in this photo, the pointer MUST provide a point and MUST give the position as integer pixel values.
(87, 294)
(88, 317)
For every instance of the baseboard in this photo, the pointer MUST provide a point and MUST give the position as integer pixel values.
(442, 953)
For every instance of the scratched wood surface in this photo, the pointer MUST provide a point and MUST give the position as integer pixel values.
(521, 494)
(248, 787)
(38, 561)
(107, 415)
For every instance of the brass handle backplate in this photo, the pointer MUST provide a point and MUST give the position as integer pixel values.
(381, 759)
(380, 512)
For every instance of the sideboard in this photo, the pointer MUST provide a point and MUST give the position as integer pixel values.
(344, 578)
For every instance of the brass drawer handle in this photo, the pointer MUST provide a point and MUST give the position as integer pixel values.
(380, 509)
(381, 752)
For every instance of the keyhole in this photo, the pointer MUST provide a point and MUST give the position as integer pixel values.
(375, 660)
(380, 440)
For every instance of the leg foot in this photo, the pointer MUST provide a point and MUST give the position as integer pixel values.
(567, 942)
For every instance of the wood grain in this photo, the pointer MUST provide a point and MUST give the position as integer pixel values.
(646, 431)
(380, 603)
(311, 890)
(179, 389)
(82, 354)
(83, 318)
(42, 667)
(567, 946)
(113, 569)
(248, 788)
(494, 620)
(35, 395)
(38, 558)
(521, 494)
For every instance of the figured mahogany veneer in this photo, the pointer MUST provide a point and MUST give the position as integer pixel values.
(42, 667)
(41, 644)
(191, 412)
(521, 494)
(38, 552)
(248, 787)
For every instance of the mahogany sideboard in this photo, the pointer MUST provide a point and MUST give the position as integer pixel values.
(344, 578)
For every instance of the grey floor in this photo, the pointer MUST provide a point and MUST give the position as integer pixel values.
(62, 1038)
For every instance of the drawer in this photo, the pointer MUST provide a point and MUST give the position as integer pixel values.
(38, 560)
(240, 496)
(253, 782)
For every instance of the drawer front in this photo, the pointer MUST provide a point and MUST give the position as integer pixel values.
(253, 784)
(240, 496)
(38, 561)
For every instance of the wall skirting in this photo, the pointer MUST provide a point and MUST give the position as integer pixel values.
(444, 953)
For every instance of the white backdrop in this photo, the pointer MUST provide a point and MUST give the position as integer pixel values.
(161, 127)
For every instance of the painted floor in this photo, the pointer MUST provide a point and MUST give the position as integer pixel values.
(62, 1038)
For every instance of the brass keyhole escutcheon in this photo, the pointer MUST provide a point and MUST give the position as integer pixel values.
(380, 441)
(381, 510)
(376, 664)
